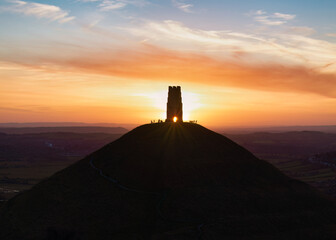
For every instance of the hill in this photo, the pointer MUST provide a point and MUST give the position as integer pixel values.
(169, 181)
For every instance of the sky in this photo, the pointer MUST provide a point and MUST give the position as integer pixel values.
(239, 63)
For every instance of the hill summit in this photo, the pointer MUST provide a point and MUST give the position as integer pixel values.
(169, 181)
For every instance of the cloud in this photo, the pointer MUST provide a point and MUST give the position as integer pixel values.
(185, 7)
(274, 19)
(286, 47)
(108, 5)
(284, 16)
(39, 10)
(306, 31)
(267, 21)
(331, 34)
(153, 63)
(15, 109)
(270, 61)
(259, 12)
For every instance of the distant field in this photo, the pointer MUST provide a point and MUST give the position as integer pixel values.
(317, 175)
(26, 159)
(22, 177)
(290, 152)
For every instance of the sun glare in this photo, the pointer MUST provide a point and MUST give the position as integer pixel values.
(175, 119)
(191, 102)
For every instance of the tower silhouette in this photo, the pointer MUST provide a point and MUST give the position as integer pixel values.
(174, 104)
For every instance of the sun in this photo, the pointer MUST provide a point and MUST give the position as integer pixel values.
(191, 102)
(175, 119)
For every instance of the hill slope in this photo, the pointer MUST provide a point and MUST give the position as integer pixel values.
(169, 181)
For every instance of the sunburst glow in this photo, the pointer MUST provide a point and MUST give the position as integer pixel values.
(191, 102)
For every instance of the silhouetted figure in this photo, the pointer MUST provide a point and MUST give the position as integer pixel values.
(174, 104)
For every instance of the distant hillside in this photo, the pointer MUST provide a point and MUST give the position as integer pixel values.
(290, 145)
(73, 129)
(169, 181)
(65, 124)
(277, 129)
(53, 146)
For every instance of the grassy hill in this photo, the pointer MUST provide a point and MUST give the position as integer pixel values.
(169, 181)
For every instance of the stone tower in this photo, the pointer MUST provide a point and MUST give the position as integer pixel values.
(174, 104)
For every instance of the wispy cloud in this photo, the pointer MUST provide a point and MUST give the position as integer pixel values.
(108, 5)
(154, 63)
(274, 19)
(302, 30)
(267, 21)
(15, 109)
(39, 10)
(259, 12)
(283, 47)
(185, 7)
(270, 61)
(331, 34)
(284, 16)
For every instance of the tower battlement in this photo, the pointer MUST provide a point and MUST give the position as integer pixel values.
(174, 104)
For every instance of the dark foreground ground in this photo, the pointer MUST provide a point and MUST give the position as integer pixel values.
(169, 181)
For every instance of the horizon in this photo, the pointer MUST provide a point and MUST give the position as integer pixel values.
(130, 126)
(239, 64)
(128, 123)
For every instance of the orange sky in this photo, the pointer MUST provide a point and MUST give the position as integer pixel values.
(81, 71)
(231, 95)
